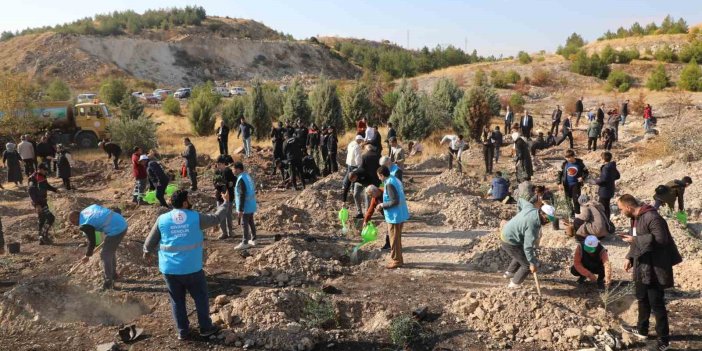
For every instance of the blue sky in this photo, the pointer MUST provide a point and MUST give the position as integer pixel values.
(492, 27)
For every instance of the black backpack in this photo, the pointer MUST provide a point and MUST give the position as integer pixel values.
(662, 190)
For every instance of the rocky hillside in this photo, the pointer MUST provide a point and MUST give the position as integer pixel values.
(221, 49)
(649, 42)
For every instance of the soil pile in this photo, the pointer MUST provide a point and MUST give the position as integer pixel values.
(471, 212)
(283, 218)
(295, 261)
(447, 183)
(269, 318)
(130, 264)
(433, 162)
(519, 316)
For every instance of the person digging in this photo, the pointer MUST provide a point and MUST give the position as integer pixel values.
(591, 262)
(96, 218)
(376, 196)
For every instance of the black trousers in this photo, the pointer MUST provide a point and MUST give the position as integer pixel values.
(508, 127)
(161, 194)
(599, 271)
(333, 166)
(46, 220)
(572, 192)
(577, 120)
(451, 154)
(605, 203)
(592, 143)
(488, 154)
(66, 183)
(192, 175)
(554, 127)
(651, 297)
(223, 146)
(608, 144)
(569, 135)
(295, 170)
(29, 166)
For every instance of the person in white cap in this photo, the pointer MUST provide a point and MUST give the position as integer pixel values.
(519, 238)
(353, 156)
(395, 170)
(591, 262)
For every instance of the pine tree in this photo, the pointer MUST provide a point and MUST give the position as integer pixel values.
(475, 109)
(131, 107)
(58, 90)
(659, 79)
(356, 104)
(690, 77)
(409, 115)
(257, 111)
(296, 106)
(444, 98)
(326, 107)
(233, 111)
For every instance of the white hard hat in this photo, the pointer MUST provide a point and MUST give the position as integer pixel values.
(143, 158)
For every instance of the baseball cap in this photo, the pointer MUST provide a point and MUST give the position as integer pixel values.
(358, 137)
(143, 158)
(591, 243)
(384, 160)
(583, 199)
(549, 211)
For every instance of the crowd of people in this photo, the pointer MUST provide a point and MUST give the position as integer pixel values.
(375, 180)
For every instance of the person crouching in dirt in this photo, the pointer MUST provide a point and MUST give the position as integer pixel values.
(607, 138)
(671, 191)
(37, 189)
(455, 148)
(96, 218)
(396, 213)
(64, 162)
(519, 238)
(310, 171)
(112, 150)
(499, 188)
(591, 262)
(178, 237)
(224, 180)
(592, 220)
(245, 202)
(376, 196)
(395, 170)
(158, 177)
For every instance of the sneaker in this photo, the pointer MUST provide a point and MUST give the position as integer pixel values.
(252, 243)
(241, 246)
(661, 346)
(581, 280)
(223, 236)
(512, 285)
(385, 247)
(508, 275)
(209, 332)
(634, 332)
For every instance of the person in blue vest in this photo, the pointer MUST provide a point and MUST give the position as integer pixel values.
(245, 203)
(178, 237)
(395, 170)
(499, 188)
(96, 218)
(396, 213)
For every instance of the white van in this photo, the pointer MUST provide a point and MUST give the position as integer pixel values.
(237, 91)
(223, 91)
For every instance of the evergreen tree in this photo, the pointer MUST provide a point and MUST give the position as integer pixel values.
(326, 107)
(132, 108)
(257, 112)
(233, 111)
(409, 115)
(296, 106)
(690, 77)
(202, 106)
(659, 79)
(58, 91)
(356, 104)
(475, 109)
(113, 91)
(444, 98)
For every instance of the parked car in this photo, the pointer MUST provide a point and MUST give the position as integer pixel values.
(237, 91)
(150, 98)
(137, 94)
(86, 97)
(162, 94)
(223, 91)
(182, 93)
(283, 88)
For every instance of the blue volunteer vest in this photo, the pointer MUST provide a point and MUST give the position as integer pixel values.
(393, 169)
(399, 213)
(250, 197)
(103, 220)
(180, 250)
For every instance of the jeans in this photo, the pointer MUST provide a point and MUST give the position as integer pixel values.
(227, 226)
(223, 146)
(247, 146)
(497, 152)
(108, 255)
(139, 189)
(647, 124)
(349, 169)
(196, 285)
(608, 144)
(192, 175)
(623, 120)
(651, 297)
(592, 143)
(161, 193)
(572, 193)
(247, 221)
(488, 154)
(360, 198)
(457, 153)
(519, 266)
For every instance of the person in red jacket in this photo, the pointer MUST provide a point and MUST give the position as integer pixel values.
(648, 113)
(139, 174)
(361, 127)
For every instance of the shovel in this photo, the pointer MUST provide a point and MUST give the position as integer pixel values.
(538, 286)
(81, 263)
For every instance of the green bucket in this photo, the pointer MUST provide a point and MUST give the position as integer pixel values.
(681, 217)
(170, 189)
(150, 197)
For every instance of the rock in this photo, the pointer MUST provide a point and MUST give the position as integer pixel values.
(221, 300)
(282, 278)
(590, 330)
(572, 333)
(509, 328)
(545, 334)
(305, 344)
(110, 346)
(479, 313)
(330, 289)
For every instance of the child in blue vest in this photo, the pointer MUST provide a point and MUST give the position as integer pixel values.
(396, 213)
(245, 205)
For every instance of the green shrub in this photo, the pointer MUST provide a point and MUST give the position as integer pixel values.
(665, 54)
(668, 26)
(480, 78)
(319, 312)
(589, 66)
(517, 102)
(202, 106)
(171, 106)
(501, 79)
(444, 98)
(691, 51)
(409, 116)
(620, 80)
(130, 133)
(257, 111)
(131, 107)
(326, 106)
(356, 104)
(404, 331)
(572, 46)
(475, 109)
(295, 104)
(233, 111)
(113, 91)
(690, 77)
(658, 80)
(58, 90)
(524, 57)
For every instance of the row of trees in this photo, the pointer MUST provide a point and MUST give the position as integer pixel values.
(668, 26)
(121, 22)
(398, 62)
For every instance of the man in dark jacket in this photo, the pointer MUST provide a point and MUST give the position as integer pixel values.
(293, 153)
(391, 134)
(571, 177)
(224, 180)
(332, 144)
(556, 119)
(567, 132)
(522, 158)
(301, 135)
(190, 156)
(624, 111)
(652, 255)
(312, 143)
(278, 138)
(608, 175)
(223, 138)
(671, 191)
(509, 119)
(112, 150)
(498, 137)
(245, 132)
(526, 123)
(600, 116)
(488, 141)
(579, 110)
(45, 151)
(158, 178)
(37, 188)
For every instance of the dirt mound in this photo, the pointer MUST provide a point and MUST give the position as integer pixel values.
(485, 254)
(270, 318)
(471, 212)
(433, 162)
(295, 261)
(130, 264)
(283, 219)
(67, 303)
(511, 316)
(447, 183)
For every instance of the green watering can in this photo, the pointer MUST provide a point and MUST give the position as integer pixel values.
(150, 197)
(369, 233)
(170, 189)
(681, 217)
(344, 218)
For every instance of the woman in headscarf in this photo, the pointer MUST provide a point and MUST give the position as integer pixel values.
(11, 159)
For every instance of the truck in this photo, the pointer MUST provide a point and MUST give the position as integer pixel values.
(84, 124)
